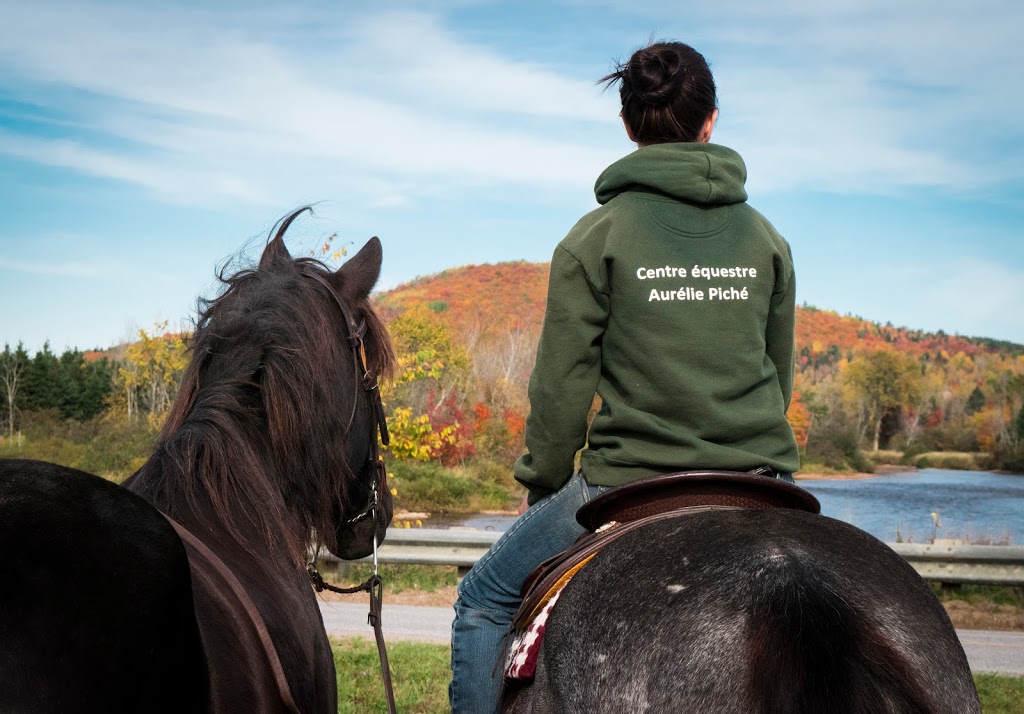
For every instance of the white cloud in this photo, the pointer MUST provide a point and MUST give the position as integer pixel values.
(863, 96)
(200, 105)
(448, 71)
(48, 268)
(198, 112)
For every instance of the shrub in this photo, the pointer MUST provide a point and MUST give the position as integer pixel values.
(952, 460)
(883, 456)
(429, 486)
(107, 446)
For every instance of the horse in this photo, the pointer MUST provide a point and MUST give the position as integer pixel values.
(185, 588)
(759, 611)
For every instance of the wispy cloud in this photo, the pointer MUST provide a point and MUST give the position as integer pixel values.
(201, 105)
(458, 75)
(50, 268)
(235, 116)
(865, 96)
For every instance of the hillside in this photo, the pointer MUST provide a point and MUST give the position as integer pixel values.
(508, 295)
(478, 299)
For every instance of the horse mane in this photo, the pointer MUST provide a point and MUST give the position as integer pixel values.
(258, 438)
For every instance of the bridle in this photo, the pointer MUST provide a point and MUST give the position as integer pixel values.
(356, 332)
(374, 584)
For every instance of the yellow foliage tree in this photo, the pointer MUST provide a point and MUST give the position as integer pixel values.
(430, 366)
(150, 373)
(881, 381)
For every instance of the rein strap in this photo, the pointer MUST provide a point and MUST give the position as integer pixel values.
(373, 585)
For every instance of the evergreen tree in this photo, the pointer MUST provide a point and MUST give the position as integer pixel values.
(975, 402)
(83, 386)
(42, 389)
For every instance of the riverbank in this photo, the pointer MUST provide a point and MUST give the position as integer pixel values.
(880, 470)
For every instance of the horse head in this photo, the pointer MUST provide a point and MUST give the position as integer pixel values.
(272, 441)
(361, 502)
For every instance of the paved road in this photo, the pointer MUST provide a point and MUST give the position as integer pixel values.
(999, 652)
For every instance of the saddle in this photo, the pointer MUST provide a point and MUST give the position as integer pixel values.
(626, 508)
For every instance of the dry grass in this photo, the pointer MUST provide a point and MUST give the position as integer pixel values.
(954, 460)
(884, 456)
(985, 616)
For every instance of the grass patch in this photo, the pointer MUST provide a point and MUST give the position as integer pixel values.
(889, 457)
(999, 694)
(421, 673)
(398, 578)
(111, 448)
(983, 607)
(982, 594)
(953, 460)
(812, 467)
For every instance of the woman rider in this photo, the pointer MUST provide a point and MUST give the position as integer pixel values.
(674, 302)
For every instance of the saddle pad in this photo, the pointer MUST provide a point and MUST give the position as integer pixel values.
(522, 657)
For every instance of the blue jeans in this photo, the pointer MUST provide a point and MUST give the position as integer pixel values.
(489, 594)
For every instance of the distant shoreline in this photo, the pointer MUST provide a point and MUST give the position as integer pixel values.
(883, 470)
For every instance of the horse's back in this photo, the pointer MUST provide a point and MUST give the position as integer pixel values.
(96, 607)
(749, 611)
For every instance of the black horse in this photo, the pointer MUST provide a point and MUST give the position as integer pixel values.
(748, 611)
(109, 605)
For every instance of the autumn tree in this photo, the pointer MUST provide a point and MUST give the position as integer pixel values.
(150, 372)
(432, 367)
(882, 382)
(12, 367)
(799, 418)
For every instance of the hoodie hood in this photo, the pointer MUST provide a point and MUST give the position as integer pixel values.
(708, 174)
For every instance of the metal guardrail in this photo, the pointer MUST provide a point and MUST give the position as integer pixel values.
(975, 564)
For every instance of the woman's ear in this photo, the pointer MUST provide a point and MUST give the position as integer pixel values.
(709, 127)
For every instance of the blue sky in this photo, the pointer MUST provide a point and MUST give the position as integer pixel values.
(142, 144)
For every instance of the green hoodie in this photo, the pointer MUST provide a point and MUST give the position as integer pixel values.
(673, 301)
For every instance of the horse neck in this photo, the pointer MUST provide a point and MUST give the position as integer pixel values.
(215, 476)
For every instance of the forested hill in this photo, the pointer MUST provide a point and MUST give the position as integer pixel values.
(466, 342)
(496, 297)
(478, 298)
(859, 384)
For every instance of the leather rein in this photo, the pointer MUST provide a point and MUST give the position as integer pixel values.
(373, 585)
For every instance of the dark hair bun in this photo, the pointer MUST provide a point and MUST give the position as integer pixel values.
(667, 92)
(656, 76)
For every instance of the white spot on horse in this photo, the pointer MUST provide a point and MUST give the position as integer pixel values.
(676, 588)
(601, 658)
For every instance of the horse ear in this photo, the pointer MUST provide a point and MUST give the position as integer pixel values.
(274, 251)
(357, 276)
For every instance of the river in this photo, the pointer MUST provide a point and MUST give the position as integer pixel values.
(977, 506)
